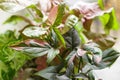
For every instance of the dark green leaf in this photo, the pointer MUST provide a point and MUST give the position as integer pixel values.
(72, 38)
(69, 70)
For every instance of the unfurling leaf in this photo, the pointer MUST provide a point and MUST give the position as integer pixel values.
(71, 21)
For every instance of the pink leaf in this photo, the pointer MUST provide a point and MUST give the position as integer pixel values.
(89, 10)
(53, 14)
(80, 52)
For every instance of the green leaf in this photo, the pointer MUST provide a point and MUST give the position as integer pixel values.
(38, 12)
(52, 54)
(34, 31)
(3, 69)
(12, 59)
(100, 3)
(13, 19)
(48, 73)
(109, 21)
(60, 15)
(79, 28)
(59, 35)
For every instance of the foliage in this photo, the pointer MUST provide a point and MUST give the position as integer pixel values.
(11, 61)
(59, 42)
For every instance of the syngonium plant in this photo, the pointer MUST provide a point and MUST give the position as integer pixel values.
(59, 40)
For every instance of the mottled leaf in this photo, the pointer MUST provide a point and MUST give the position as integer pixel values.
(48, 73)
(52, 54)
(34, 31)
(97, 52)
(109, 56)
(33, 47)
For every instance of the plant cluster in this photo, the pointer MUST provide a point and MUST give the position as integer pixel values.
(58, 41)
